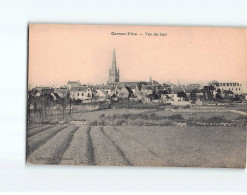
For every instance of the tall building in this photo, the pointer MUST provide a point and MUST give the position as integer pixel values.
(235, 87)
(113, 71)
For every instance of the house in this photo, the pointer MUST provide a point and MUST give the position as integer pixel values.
(35, 93)
(47, 91)
(108, 88)
(235, 87)
(56, 97)
(71, 84)
(122, 92)
(62, 92)
(81, 93)
(227, 94)
(197, 94)
(133, 89)
(147, 89)
(131, 93)
(172, 97)
(101, 95)
(194, 86)
(147, 98)
(139, 94)
(160, 89)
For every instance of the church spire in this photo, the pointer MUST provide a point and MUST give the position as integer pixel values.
(114, 63)
(114, 70)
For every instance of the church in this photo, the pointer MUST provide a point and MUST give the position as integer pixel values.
(114, 76)
(113, 71)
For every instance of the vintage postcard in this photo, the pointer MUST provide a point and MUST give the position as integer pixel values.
(112, 95)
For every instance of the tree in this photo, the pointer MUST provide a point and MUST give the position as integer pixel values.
(64, 104)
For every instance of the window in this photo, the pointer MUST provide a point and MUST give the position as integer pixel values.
(239, 89)
(78, 94)
(236, 88)
(227, 84)
(82, 94)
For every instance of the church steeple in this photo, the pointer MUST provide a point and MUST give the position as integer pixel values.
(113, 71)
(114, 62)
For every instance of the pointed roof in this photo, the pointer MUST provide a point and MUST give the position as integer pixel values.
(103, 91)
(114, 61)
(60, 91)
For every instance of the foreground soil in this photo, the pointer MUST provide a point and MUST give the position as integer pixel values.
(137, 146)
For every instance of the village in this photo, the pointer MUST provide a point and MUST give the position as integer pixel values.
(143, 92)
(92, 119)
(137, 122)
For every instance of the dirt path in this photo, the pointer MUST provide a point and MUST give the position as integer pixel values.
(239, 112)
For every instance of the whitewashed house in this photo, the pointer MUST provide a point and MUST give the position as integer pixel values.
(81, 93)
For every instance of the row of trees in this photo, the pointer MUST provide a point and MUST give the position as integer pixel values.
(39, 105)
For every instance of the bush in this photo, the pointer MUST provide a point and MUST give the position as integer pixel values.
(93, 123)
(101, 123)
(102, 116)
(242, 118)
(216, 119)
(167, 123)
(186, 106)
(114, 116)
(153, 116)
(120, 123)
(176, 117)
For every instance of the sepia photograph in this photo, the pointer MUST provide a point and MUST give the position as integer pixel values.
(152, 96)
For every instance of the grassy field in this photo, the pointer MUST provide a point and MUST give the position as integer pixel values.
(91, 116)
(135, 146)
(143, 137)
(197, 114)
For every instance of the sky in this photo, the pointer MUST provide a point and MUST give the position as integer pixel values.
(59, 53)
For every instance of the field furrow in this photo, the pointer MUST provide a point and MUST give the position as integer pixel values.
(105, 150)
(52, 151)
(136, 140)
(133, 151)
(34, 131)
(35, 141)
(77, 153)
(192, 146)
(32, 126)
(90, 148)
